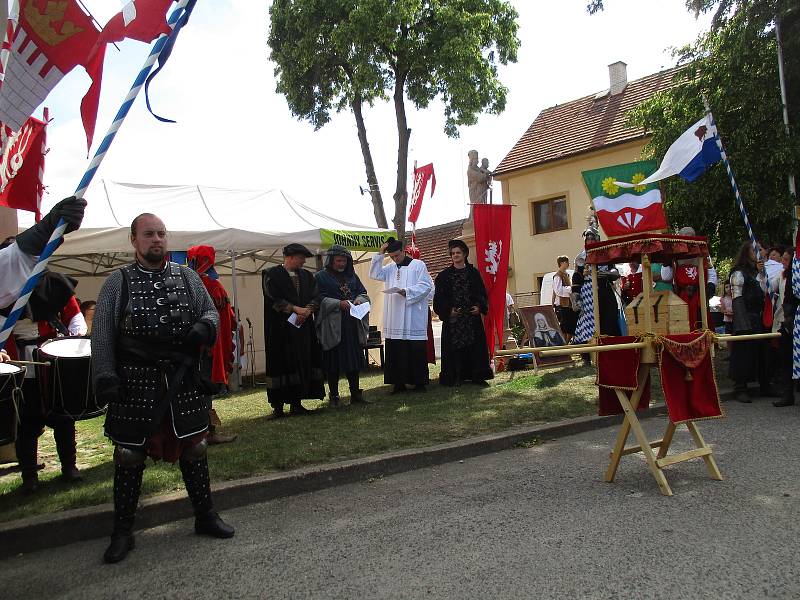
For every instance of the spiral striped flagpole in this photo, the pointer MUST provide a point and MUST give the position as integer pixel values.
(91, 171)
(739, 201)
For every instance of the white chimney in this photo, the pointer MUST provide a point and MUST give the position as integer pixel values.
(618, 77)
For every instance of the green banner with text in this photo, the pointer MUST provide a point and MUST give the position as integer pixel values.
(355, 240)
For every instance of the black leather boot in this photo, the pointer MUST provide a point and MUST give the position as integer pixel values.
(198, 487)
(127, 487)
(30, 481)
(64, 434)
(740, 394)
(357, 397)
(787, 398)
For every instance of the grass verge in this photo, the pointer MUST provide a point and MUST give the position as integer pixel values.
(391, 422)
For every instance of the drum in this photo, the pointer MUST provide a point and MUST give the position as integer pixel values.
(66, 383)
(11, 378)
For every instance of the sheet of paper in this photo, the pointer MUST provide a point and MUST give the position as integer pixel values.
(359, 311)
(393, 290)
(293, 320)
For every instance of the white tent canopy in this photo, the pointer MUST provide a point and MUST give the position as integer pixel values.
(256, 223)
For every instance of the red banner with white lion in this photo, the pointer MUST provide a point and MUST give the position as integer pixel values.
(22, 165)
(493, 247)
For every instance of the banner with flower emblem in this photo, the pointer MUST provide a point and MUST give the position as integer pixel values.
(623, 211)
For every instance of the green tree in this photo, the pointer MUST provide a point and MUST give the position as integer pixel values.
(319, 68)
(735, 67)
(337, 54)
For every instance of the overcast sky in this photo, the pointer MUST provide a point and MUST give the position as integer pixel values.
(234, 131)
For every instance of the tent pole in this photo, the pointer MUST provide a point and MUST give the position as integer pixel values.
(236, 380)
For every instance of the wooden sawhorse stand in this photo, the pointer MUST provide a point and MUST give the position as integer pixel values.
(655, 461)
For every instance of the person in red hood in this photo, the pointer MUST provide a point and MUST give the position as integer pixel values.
(218, 362)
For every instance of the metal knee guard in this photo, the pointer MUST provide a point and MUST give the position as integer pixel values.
(127, 457)
(196, 452)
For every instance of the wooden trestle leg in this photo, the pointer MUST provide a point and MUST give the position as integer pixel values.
(655, 462)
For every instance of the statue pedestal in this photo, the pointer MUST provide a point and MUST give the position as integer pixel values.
(468, 237)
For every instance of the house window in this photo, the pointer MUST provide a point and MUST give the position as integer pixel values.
(550, 215)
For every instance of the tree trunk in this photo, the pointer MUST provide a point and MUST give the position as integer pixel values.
(372, 180)
(403, 136)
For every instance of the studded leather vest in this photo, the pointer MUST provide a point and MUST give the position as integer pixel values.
(158, 304)
(158, 376)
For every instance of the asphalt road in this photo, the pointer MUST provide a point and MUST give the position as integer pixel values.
(534, 522)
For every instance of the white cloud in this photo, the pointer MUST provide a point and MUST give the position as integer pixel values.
(233, 130)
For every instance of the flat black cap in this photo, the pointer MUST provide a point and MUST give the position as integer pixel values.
(295, 249)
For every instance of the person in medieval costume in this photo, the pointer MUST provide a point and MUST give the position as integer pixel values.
(460, 299)
(414, 252)
(408, 288)
(294, 358)
(341, 336)
(686, 277)
(607, 297)
(562, 298)
(748, 359)
(153, 321)
(217, 361)
(52, 312)
(17, 260)
(790, 328)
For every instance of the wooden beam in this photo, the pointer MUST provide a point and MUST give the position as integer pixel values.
(688, 455)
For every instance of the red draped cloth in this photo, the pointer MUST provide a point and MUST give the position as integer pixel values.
(616, 370)
(165, 445)
(430, 347)
(201, 259)
(687, 377)
(222, 351)
(687, 285)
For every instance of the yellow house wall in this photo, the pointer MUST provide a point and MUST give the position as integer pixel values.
(535, 254)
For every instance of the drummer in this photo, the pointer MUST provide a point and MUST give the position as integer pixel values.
(52, 311)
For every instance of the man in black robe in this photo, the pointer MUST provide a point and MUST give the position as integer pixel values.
(294, 358)
(341, 336)
(460, 299)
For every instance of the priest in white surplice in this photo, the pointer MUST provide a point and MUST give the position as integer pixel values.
(408, 289)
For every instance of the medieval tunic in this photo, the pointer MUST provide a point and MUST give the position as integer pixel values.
(609, 322)
(138, 334)
(15, 268)
(218, 359)
(562, 290)
(465, 355)
(294, 358)
(405, 319)
(748, 359)
(345, 353)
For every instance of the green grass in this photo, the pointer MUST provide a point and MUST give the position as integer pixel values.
(264, 446)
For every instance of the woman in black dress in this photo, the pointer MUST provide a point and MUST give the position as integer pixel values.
(460, 299)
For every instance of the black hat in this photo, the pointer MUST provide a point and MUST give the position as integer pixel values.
(294, 249)
(393, 245)
(458, 244)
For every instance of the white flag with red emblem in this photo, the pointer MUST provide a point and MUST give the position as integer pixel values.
(623, 211)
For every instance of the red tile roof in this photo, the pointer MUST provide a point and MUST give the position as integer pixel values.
(583, 125)
(432, 244)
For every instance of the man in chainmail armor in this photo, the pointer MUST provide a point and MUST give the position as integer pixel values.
(152, 321)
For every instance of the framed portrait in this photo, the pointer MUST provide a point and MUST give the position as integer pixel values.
(543, 330)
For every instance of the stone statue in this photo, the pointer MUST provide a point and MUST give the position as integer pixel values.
(479, 178)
